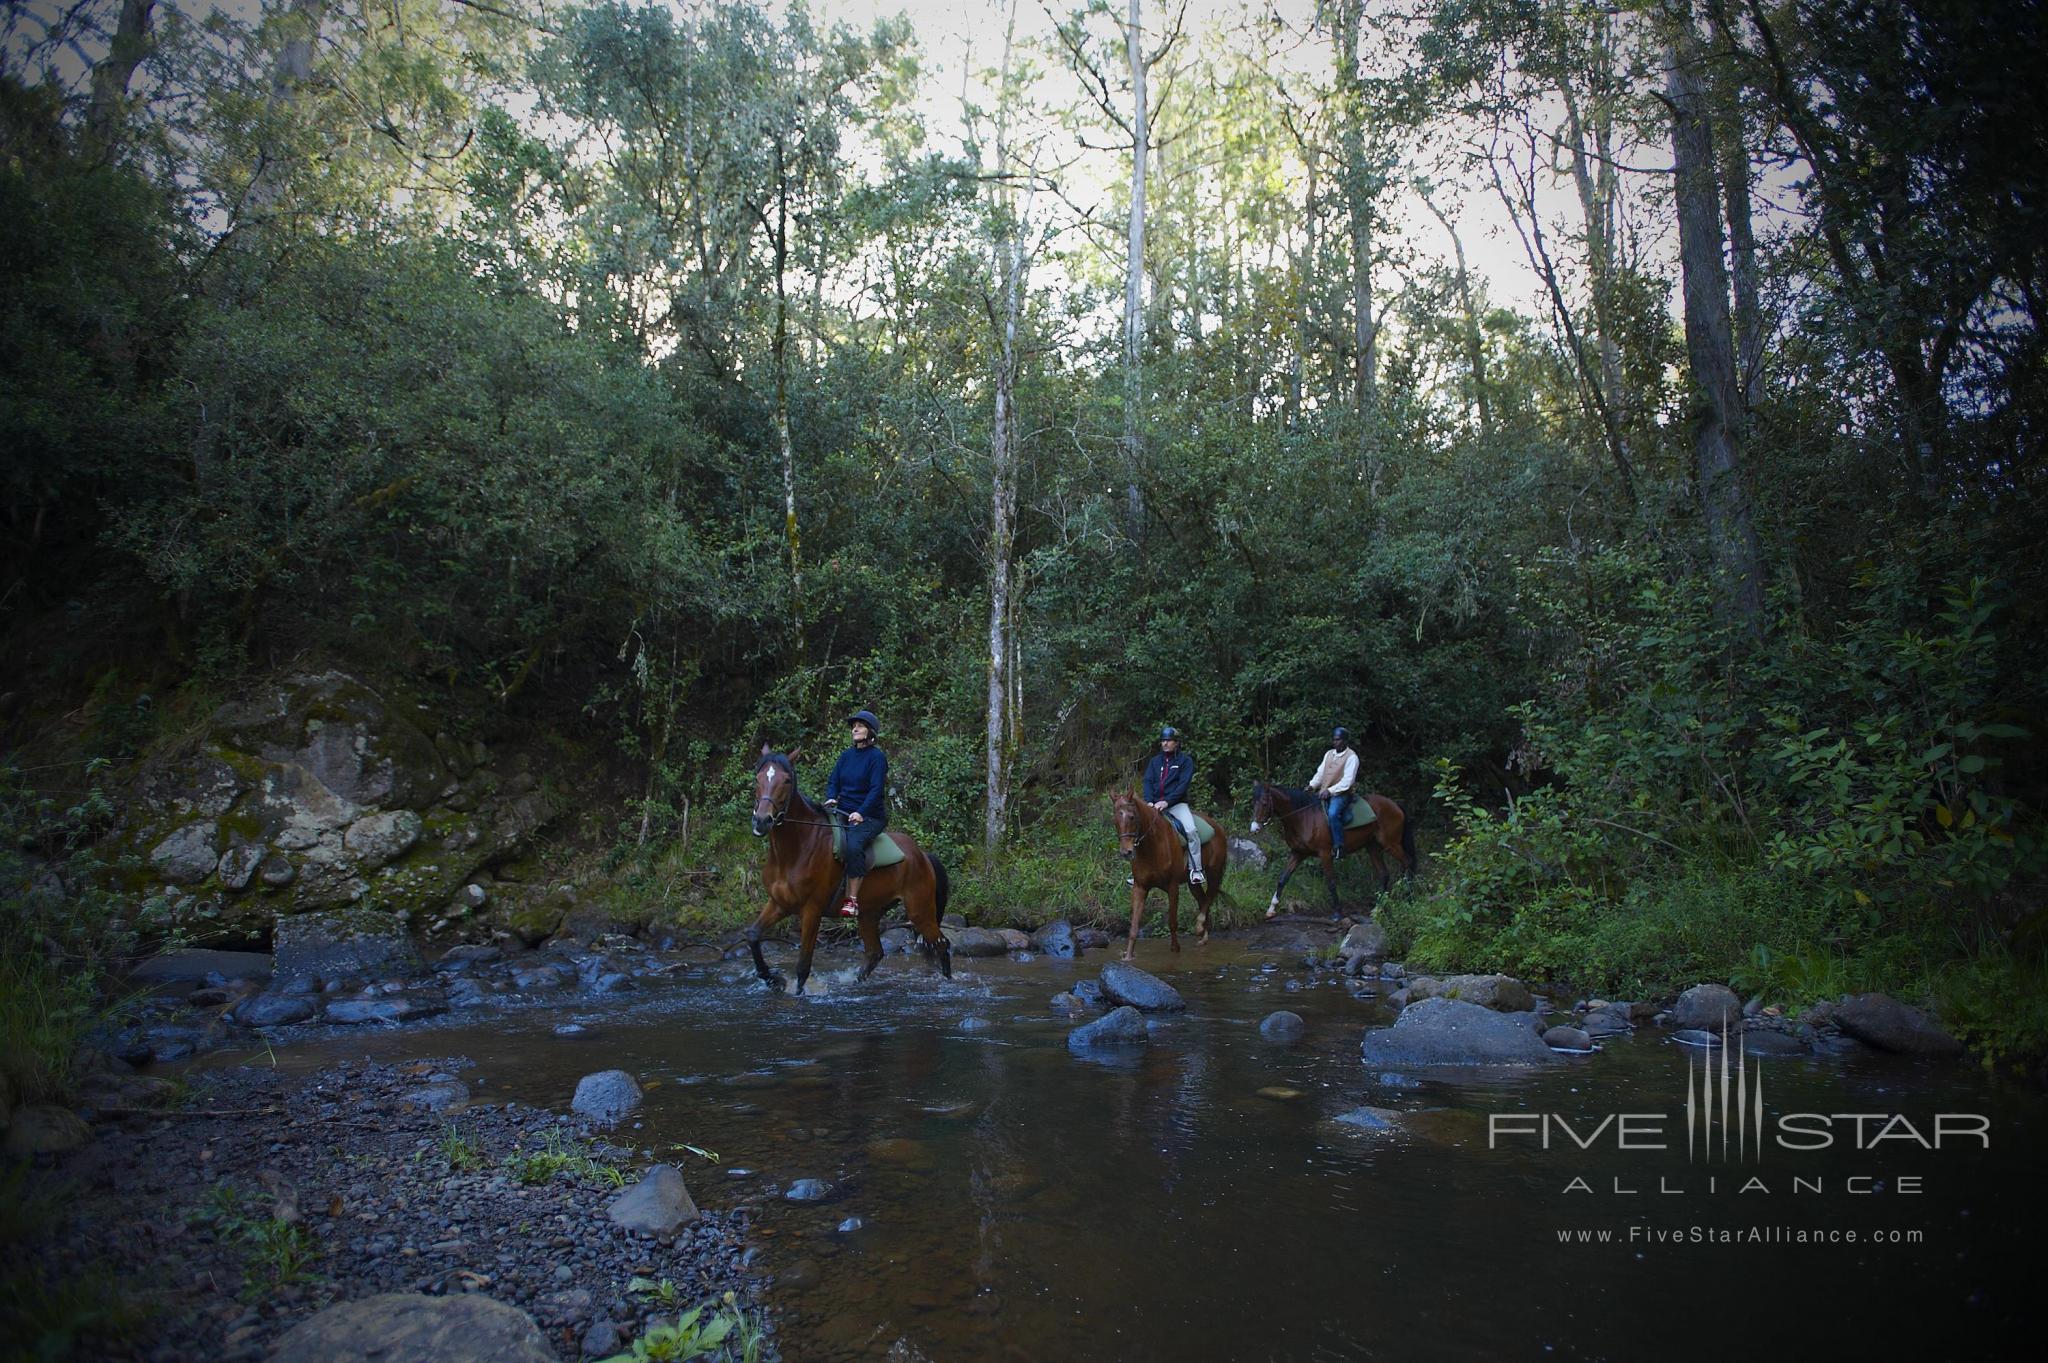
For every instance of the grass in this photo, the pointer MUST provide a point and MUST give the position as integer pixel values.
(728, 1333)
(45, 1015)
(464, 1156)
(275, 1253)
(559, 1155)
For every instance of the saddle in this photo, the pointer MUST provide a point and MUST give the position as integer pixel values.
(883, 851)
(1361, 812)
(1204, 830)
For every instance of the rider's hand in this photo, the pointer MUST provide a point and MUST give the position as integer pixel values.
(855, 817)
(1159, 805)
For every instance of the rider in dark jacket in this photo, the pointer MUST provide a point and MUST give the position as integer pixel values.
(1168, 777)
(859, 789)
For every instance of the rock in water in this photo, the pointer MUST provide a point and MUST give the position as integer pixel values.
(1451, 1032)
(1377, 1120)
(607, 1095)
(1123, 1027)
(1127, 985)
(1282, 1026)
(1365, 945)
(1882, 1021)
(1706, 1007)
(979, 942)
(808, 1190)
(658, 1205)
(1502, 993)
(417, 1329)
(1056, 939)
(1069, 1005)
(1567, 1039)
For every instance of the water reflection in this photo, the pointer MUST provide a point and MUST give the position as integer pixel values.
(1019, 1202)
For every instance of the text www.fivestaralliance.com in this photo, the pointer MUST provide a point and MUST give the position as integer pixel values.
(1736, 1235)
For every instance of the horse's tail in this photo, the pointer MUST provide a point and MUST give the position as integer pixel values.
(1407, 839)
(945, 888)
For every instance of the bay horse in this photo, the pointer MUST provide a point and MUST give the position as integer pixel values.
(802, 877)
(1148, 840)
(1306, 830)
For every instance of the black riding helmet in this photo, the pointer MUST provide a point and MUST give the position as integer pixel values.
(866, 717)
(1169, 732)
(1340, 735)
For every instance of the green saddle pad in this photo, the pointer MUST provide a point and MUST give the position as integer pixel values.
(1361, 813)
(883, 851)
(1204, 830)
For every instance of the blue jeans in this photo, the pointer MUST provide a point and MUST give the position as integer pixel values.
(1338, 808)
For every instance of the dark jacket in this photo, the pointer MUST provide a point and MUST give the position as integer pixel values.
(1169, 779)
(860, 782)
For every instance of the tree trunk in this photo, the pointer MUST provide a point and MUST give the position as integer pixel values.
(1749, 336)
(1475, 343)
(782, 436)
(301, 30)
(1358, 208)
(1709, 345)
(1002, 535)
(105, 120)
(1134, 284)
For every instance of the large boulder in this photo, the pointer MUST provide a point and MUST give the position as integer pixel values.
(379, 839)
(1245, 852)
(658, 1205)
(1502, 993)
(1882, 1021)
(1129, 986)
(189, 855)
(1056, 939)
(1282, 1027)
(404, 1327)
(1707, 1008)
(274, 1010)
(607, 1095)
(354, 944)
(45, 1129)
(1364, 946)
(1452, 1032)
(979, 942)
(1121, 1027)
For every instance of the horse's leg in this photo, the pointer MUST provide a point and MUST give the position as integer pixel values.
(812, 914)
(1330, 881)
(921, 906)
(1137, 914)
(1173, 914)
(1294, 860)
(770, 916)
(871, 938)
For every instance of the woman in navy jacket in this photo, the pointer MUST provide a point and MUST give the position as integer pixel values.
(858, 788)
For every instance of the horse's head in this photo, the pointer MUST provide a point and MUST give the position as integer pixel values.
(1130, 826)
(1264, 806)
(774, 785)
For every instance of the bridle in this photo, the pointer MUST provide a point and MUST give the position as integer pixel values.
(779, 814)
(1272, 794)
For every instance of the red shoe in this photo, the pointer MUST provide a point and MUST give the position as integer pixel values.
(850, 909)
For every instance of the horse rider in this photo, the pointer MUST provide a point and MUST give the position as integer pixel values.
(1333, 784)
(858, 788)
(1168, 777)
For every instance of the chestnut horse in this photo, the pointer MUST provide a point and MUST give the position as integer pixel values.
(802, 876)
(1306, 830)
(1148, 840)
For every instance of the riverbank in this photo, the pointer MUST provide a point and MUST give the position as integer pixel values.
(208, 1231)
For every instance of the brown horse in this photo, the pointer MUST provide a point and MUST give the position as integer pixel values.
(802, 877)
(1148, 840)
(1307, 832)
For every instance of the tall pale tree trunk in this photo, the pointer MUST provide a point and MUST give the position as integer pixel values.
(1475, 343)
(1004, 685)
(105, 116)
(1709, 344)
(1749, 336)
(791, 538)
(1134, 282)
(1358, 198)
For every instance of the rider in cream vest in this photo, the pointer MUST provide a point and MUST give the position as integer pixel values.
(1333, 782)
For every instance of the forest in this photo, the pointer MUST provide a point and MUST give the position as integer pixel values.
(1626, 416)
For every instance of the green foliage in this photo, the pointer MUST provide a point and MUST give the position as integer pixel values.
(729, 1333)
(276, 1252)
(464, 1155)
(560, 1155)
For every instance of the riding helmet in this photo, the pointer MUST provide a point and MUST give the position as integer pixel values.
(866, 717)
(1168, 732)
(1341, 732)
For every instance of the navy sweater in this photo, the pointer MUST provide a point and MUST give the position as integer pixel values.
(1169, 780)
(860, 781)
